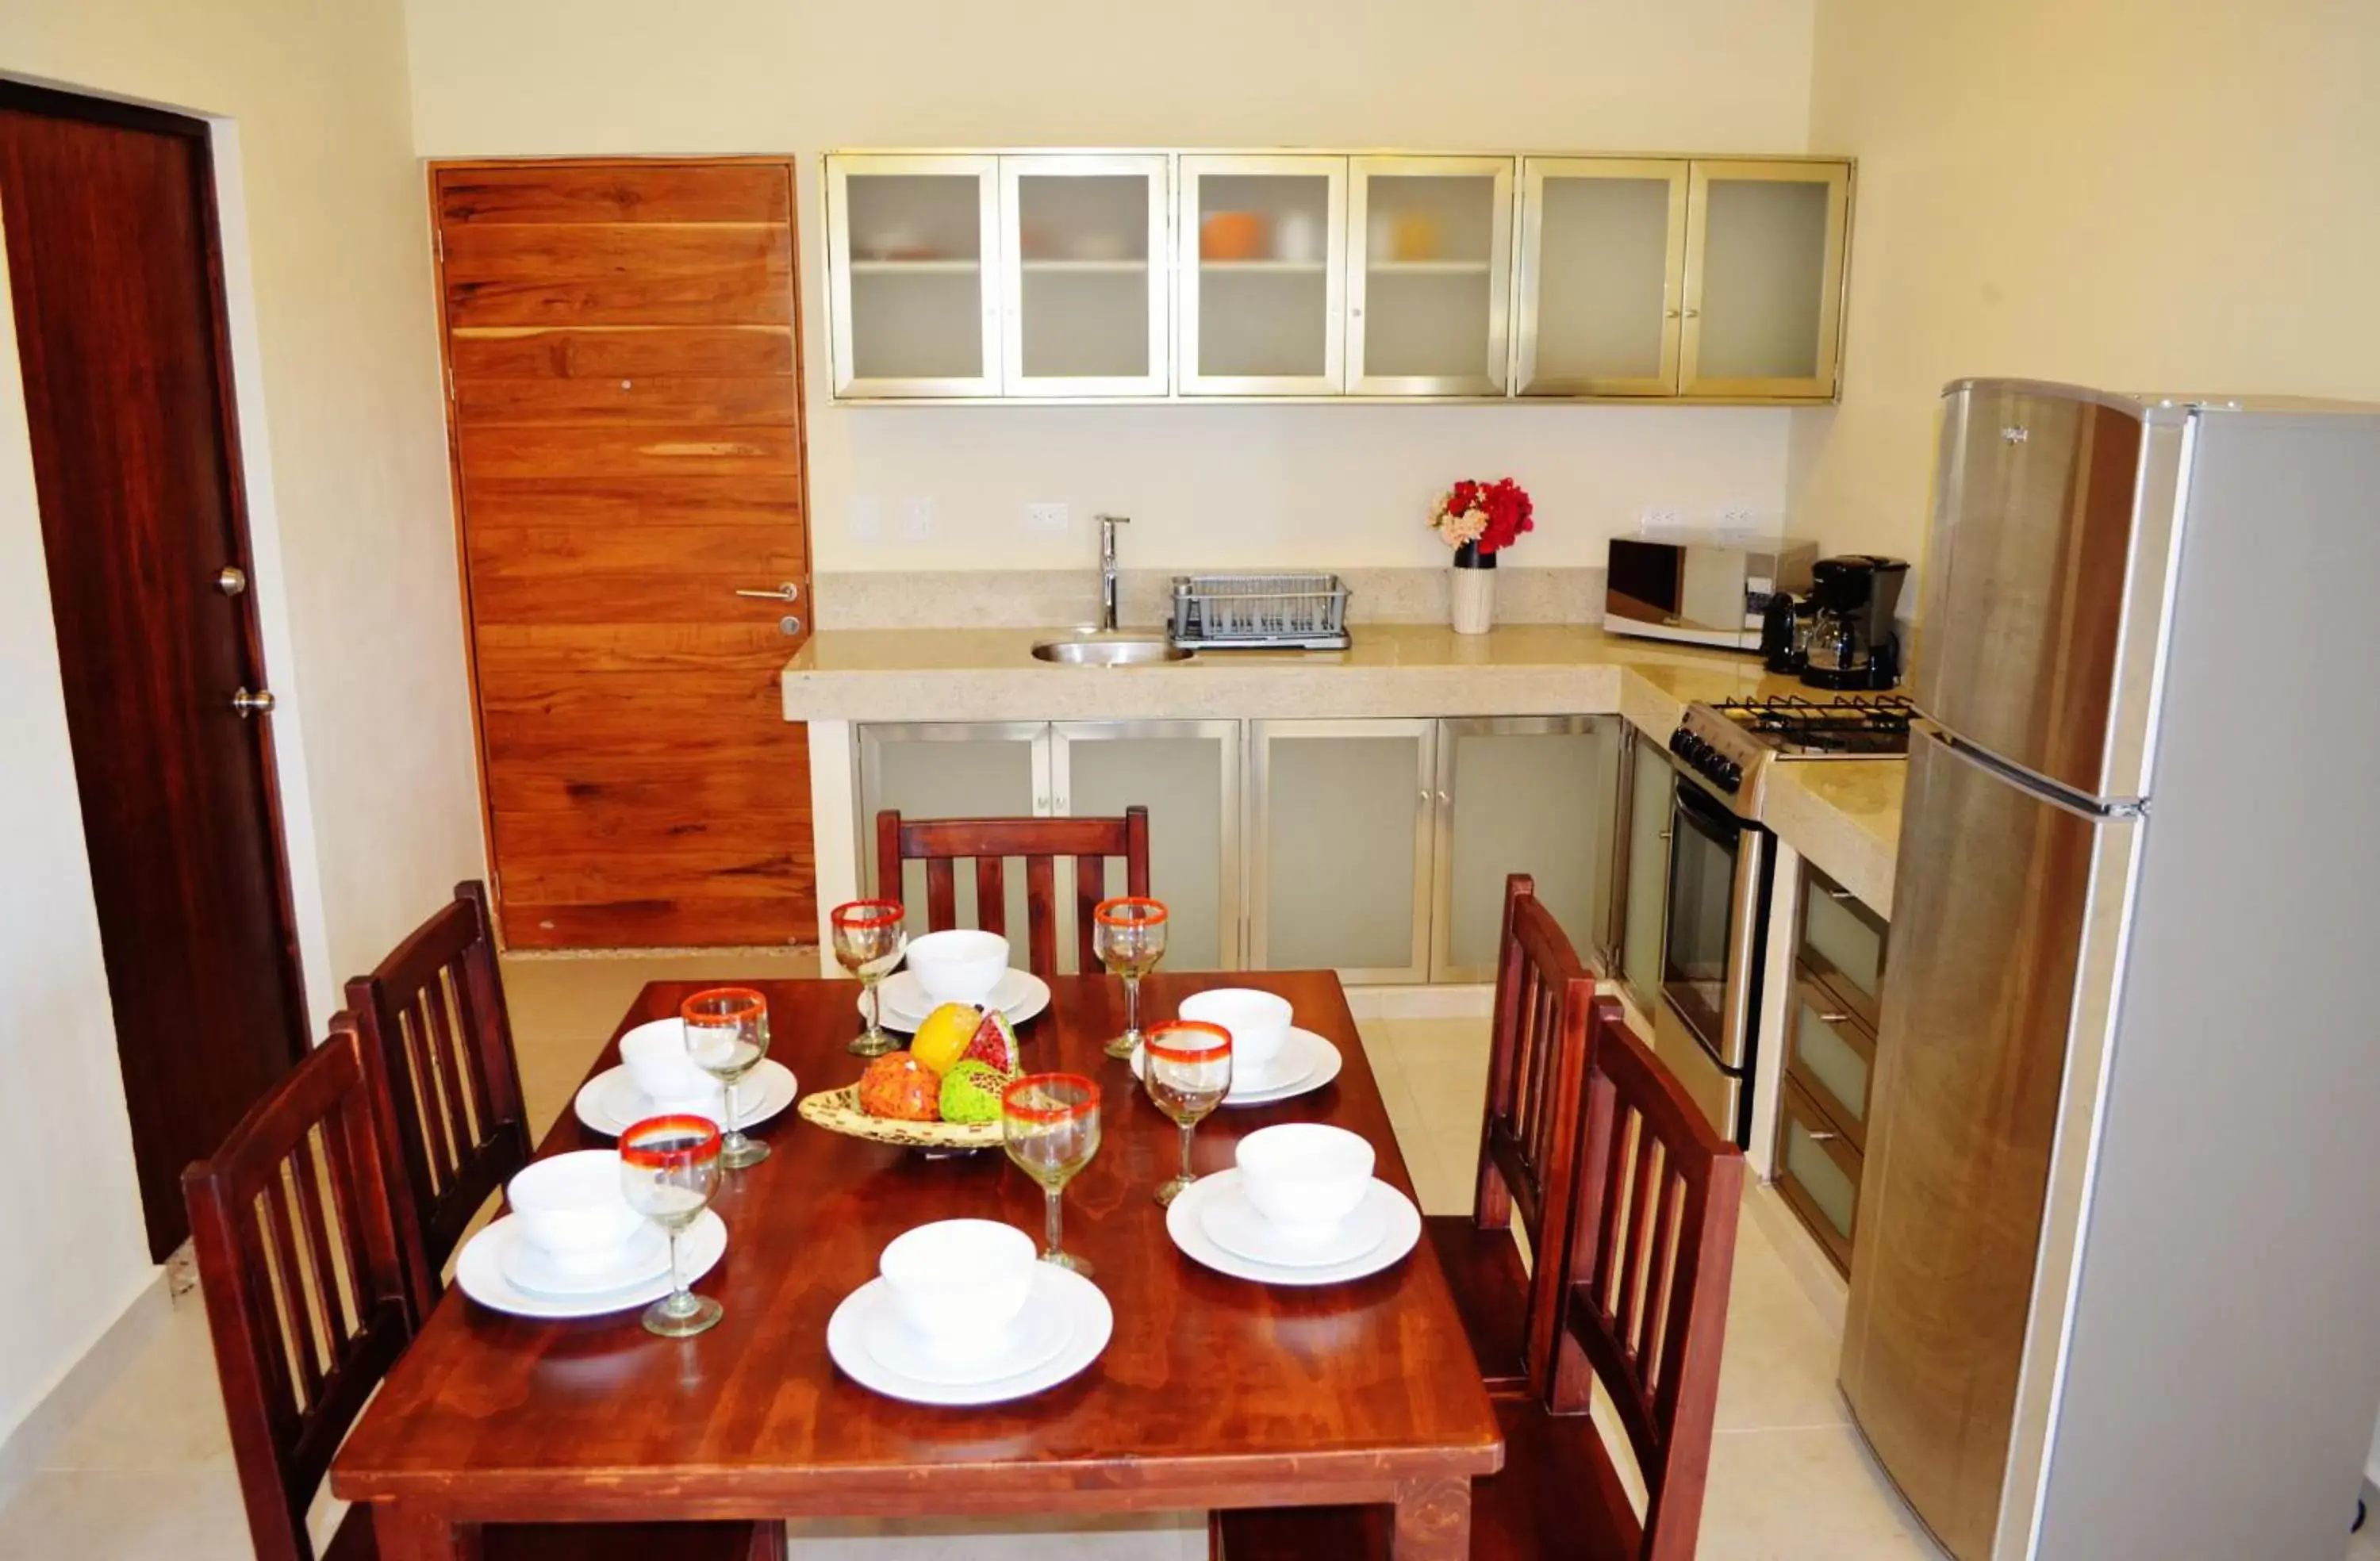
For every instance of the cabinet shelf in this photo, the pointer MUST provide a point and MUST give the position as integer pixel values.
(1282, 268)
(1084, 268)
(1429, 268)
(913, 267)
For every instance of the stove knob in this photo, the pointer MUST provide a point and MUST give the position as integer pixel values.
(1731, 774)
(1679, 739)
(1691, 746)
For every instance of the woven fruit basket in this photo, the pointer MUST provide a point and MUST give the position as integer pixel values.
(837, 1110)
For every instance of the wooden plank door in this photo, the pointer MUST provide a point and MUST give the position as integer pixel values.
(623, 339)
(115, 276)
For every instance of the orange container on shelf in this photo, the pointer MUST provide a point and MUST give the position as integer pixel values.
(1231, 235)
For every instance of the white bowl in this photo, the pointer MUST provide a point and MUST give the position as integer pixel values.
(656, 1058)
(1305, 1176)
(958, 967)
(572, 1208)
(959, 1283)
(1258, 1023)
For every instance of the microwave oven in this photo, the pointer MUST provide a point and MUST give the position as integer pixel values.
(1701, 587)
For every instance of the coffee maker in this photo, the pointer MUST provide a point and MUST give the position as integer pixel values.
(1851, 642)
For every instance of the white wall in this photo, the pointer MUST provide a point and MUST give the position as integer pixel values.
(1343, 486)
(335, 347)
(2135, 194)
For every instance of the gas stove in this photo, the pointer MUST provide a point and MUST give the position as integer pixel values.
(1728, 745)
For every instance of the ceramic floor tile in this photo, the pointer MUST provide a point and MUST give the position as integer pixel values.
(2365, 1546)
(1794, 1496)
(1440, 1185)
(586, 997)
(1777, 1368)
(164, 1412)
(125, 1514)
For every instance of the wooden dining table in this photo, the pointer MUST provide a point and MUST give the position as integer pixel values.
(1212, 1392)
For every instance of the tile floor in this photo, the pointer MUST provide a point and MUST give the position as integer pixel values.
(148, 1472)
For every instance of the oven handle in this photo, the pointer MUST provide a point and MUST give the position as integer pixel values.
(1743, 914)
(1700, 810)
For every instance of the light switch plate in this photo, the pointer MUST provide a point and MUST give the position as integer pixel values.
(1047, 520)
(916, 519)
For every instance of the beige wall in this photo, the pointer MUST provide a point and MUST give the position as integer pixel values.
(2178, 195)
(324, 215)
(1342, 486)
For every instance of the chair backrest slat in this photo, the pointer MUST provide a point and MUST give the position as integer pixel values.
(438, 1042)
(307, 1299)
(1529, 1139)
(941, 843)
(1650, 1258)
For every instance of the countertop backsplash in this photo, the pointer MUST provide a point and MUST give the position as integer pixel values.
(1060, 598)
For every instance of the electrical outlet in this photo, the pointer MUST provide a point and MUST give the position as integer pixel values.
(866, 517)
(1047, 520)
(916, 519)
(1656, 517)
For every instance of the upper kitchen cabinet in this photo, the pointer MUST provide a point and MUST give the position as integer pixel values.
(914, 281)
(1263, 260)
(1429, 278)
(1763, 290)
(1684, 278)
(1603, 260)
(1084, 277)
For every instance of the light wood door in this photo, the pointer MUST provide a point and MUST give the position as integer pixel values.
(624, 344)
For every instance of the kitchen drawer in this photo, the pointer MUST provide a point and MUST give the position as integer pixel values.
(1831, 1055)
(1841, 945)
(1818, 1171)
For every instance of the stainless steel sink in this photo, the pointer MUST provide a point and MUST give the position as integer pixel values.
(1108, 650)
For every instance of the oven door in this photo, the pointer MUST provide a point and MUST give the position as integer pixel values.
(1710, 961)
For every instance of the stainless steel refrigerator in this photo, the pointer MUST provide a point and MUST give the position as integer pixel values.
(2115, 1282)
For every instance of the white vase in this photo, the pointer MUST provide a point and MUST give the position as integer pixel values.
(1474, 604)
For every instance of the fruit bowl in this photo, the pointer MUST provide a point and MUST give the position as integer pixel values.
(837, 1110)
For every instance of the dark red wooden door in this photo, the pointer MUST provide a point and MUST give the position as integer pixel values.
(114, 272)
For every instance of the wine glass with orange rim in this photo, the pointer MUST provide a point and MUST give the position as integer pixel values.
(669, 1168)
(870, 935)
(727, 1036)
(1050, 1125)
(1186, 1065)
(1129, 936)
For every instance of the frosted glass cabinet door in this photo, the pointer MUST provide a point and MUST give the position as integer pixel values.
(953, 769)
(913, 252)
(1085, 274)
(1339, 878)
(1650, 783)
(1429, 275)
(1187, 774)
(1603, 246)
(1764, 278)
(1520, 794)
(1262, 253)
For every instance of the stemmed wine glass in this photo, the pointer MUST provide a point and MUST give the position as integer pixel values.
(1049, 1124)
(1129, 936)
(669, 1167)
(1186, 1066)
(869, 937)
(727, 1034)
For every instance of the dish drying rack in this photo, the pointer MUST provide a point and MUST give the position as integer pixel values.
(1259, 612)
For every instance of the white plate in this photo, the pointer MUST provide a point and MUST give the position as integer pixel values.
(481, 1272)
(1239, 1227)
(1019, 994)
(1307, 1063)
(1089, 1321)
(612, 1104)
(1038, 1337)
(642, 1255)
(1185, 1222)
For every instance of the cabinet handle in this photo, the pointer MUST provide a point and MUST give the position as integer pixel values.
(1819, 1135)
(1693, 314)
(1835, 1018)
(1663, 835)
(1445, 800)
(1668, 314)
(1839, 894)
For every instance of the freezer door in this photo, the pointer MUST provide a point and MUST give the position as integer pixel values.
(2039, 498)
(1995, 933)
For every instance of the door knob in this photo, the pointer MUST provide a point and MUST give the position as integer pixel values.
(232, 581)
(789, 625)
(789, 591)
(257, 704)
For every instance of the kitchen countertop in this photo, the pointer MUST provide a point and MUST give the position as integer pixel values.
(1844, 815)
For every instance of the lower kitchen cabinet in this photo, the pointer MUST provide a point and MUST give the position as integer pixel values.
(1818, 1172)
(1339, 865)
(1517, 794)
(1187, 774)
(1642, 871)
(950, 770)
(1838, 948)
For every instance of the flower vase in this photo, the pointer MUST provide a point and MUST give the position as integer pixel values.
(1474, 603)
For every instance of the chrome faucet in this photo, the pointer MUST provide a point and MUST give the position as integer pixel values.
(1108, 523)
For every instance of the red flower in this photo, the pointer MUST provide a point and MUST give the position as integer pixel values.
(1509, 512)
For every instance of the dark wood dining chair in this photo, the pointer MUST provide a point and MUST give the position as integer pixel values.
(309, 1304)
(1645, 1315)
(435, 1034)
(1529, 1152)
(943, 844)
